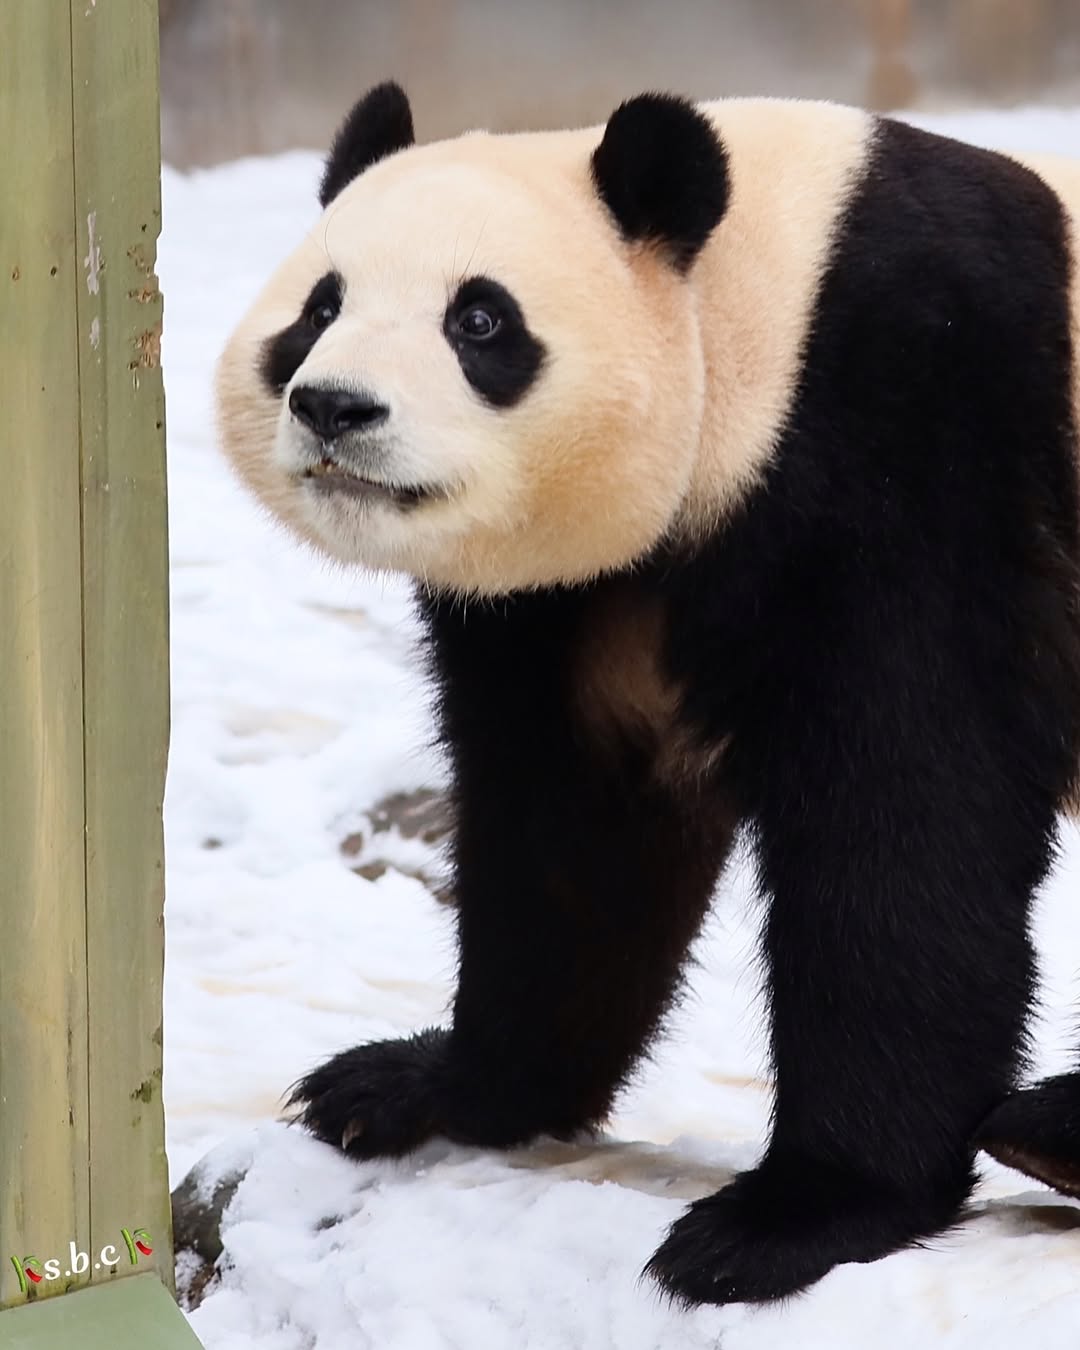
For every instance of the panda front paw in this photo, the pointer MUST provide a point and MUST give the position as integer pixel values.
(772, 1233)
(381, 1100)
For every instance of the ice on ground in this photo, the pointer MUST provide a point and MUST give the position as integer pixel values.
(296, 706)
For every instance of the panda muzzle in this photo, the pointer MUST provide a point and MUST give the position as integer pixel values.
(330, 475)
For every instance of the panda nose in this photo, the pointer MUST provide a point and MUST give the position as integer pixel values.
(329, 413)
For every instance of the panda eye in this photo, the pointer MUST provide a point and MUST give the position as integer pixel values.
(478, 323)
(322, 316)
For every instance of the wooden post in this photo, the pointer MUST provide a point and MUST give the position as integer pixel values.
(83, 681)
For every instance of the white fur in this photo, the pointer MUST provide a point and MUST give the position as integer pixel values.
(663, 396)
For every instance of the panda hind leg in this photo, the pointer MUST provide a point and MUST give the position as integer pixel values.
(1037, 1131)
(900, 978)
(777, 1229)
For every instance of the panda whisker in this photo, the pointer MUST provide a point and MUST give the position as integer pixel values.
(328, 220)
(450, 280)
(459, 277)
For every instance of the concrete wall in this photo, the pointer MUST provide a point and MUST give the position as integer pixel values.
(251, 76)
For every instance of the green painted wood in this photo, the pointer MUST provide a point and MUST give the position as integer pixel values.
(44, 1182)
(133, 1314)
(83, 676)
(125, 585)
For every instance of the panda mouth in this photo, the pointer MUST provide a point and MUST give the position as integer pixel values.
(327, 477)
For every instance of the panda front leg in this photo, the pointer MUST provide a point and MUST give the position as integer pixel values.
(900, 975)
(580, 884)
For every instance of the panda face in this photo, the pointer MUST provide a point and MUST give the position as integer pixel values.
(468, 374)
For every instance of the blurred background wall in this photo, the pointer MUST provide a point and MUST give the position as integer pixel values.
(254, 76)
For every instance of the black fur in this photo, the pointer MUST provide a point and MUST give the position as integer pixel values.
(1038, 1132)
(380, 1100)
(501, 368)
(581, 884)
(286, 352)
(379, 125)
(885, 642)
(662, 173)
(776, 1229)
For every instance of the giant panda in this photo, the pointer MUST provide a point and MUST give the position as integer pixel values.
(733, 451)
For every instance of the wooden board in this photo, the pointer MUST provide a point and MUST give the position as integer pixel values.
(134, 1314)
(44, 1101)
(125, 585)
(83, 661)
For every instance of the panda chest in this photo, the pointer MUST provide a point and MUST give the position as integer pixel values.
(625, 697)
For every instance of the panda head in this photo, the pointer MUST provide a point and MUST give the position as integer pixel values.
(483, 366)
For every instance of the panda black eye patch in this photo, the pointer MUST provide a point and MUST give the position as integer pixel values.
(497, 353)
(286, 352)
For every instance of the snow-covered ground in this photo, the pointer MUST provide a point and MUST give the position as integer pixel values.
(296, 706)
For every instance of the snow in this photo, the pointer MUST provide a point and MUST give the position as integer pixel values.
(297, 705)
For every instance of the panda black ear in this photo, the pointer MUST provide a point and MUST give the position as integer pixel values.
(661, 170)
(380, 124)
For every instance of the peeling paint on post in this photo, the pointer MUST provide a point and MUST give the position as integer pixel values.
(92, 261)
